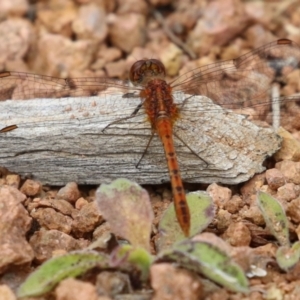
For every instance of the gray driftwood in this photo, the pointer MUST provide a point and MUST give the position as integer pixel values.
(61, 140)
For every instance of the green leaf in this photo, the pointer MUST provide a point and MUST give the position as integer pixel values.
(127, 257)
(287, 257)
(48, 275)
(127, 209)
(275, 217)
(210, 261)
(202, 213)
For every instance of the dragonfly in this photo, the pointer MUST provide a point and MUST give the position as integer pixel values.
(234, 84)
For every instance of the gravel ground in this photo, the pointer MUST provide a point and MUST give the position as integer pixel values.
(83, 38)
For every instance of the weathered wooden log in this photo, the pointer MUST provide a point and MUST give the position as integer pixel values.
(61, 140)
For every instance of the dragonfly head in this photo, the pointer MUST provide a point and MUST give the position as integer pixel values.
(146, 69)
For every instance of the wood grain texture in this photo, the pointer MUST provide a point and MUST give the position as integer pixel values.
(61, 140)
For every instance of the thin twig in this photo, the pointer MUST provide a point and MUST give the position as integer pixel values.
(275, 106)
(158, 16)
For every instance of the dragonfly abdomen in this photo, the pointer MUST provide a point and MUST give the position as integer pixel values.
(162, 113)
(165, 132)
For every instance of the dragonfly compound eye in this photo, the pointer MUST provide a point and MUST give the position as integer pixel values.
(146, 68)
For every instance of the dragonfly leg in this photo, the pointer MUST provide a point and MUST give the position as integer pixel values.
(133, 114)
(137, 109)
(185, 144)
(184, 101)
(144, 153)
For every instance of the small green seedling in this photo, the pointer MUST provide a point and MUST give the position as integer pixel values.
(127, 209)
(202, 212)
(207, 259)
(47, 276)
(276, 220)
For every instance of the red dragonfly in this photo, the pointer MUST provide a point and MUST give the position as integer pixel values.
(238, 83)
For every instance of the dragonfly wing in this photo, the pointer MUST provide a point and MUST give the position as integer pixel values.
(18, 85)
(245, 81)
(218, 145)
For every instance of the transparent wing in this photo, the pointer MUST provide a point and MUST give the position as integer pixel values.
(18, 85)
(244, 81)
